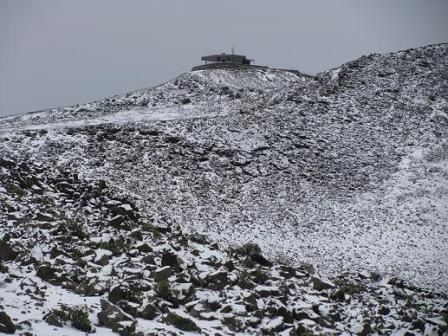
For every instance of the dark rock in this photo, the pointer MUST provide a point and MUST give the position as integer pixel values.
(173, 139)
(3, 268)
(408, 333)
(319, 284)
(233, 323)
(162, 274)
(6, 324)
(285, 313)
(384, 310)
(300, 331)
(128, 307)
(125, 210)
(338, 295)
(117, 221)
(218, 279)
(149, 312)
(181, 323)
(145, 248)
(300, 315)
(229, 265)
(259, 259)
(6, 252)
(419, 324)
(170, 259)
(7, 163)
(87, 289)
(118, 293)
(148, 259)
(287, 272)
(103, 261)
(55, 251)
(116, 319)
(267, 291)
(366, 330)
(46, 272)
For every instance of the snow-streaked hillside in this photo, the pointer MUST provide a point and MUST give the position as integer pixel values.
(347, 171)
(211, 93)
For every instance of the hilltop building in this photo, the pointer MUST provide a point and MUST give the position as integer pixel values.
(226, 58)
(226, 61)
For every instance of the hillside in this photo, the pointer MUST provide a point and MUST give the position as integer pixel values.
(178, 184)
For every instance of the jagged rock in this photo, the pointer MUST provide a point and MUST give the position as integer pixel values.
(287, 272)
(181, 322)
(113, 317)
(44, 217)
(117, 221)
(233, 323)
(55, 251)
(300, 330)
(7, 163)
(162, 274)
(118, 293)
(128, 307)
(259, 259)
(366, 329)
(266, 291)
(300, 314)
(88, 289)
(338, 295)
(148, 259)
(6, 324)
(320, 284)
(6, 252)
(145, 248)
(217, 280)
(46, 272)
(102, 260)
(170, 259)
(384, 310)
(125, 210)
(3, 268)
(419, 324)
(149, 312)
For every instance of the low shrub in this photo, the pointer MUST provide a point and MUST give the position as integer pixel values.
(78, 316)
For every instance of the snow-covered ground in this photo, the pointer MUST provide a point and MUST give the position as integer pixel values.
(347, 171)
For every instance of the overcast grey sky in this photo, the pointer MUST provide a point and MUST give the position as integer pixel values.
(56, 53)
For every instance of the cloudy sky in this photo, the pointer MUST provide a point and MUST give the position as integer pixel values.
(56, 53)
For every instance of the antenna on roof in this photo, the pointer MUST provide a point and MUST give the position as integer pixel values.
(233, 50)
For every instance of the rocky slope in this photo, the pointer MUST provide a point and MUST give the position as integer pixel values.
(150, 206)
